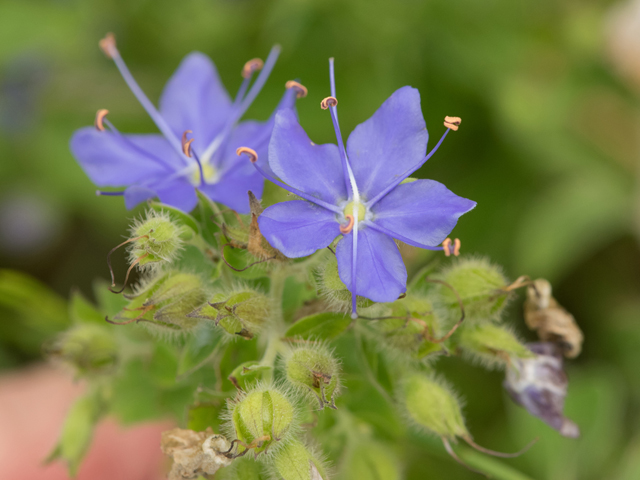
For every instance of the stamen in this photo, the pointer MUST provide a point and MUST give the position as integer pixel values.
(186, 144)
(300, 89)
(295, 191)
(452, 122)
(251, 67)
(99, 119)
(408, 172)
(251, 153)
(329, 102)
(344, 229)
(109, 194)
(108, 45)
(446, 246)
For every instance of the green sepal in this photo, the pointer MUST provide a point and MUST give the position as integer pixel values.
(247, 373)
(184, 218)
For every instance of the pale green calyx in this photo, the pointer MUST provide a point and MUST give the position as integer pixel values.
(314, 370)
(294, 461)
(156, 239)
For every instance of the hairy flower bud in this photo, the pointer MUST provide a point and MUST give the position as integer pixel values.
(371, 460)
(158, 239)
(539, 384)
(241, 313)
(261, 418)
(335, 292)
(432, 406)
(314, 370)
(164, 303)
(491, 344)
(294, 461)
(478, 284)
(89, 348)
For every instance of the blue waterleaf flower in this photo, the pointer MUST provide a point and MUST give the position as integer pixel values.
(200, 131)
(358, 191)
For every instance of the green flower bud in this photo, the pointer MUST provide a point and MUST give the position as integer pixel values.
(491, 344)
(410, 331)
(242, 469)
(371, 460)
(242, 313)
(89, 348)
(164, 303)
(294, 461)
(261, 418)
(158, 239)
(336, 292)
(432, 406)
(314, 370)
(479, 284)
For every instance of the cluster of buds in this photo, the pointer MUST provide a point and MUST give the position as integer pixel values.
(241, 313)
(90, 349)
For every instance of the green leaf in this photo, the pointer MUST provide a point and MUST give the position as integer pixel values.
(135, 395)
(323, 326)
(198, 349)
(247, 372)
(82, 311)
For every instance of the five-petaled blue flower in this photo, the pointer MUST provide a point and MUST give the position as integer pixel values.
(200, 133)
(358, 191)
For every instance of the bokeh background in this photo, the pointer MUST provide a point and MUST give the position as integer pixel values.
(549, 147)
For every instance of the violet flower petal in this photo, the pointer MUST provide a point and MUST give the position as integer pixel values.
(114, 160)
(233, 189)
(380, 271)
(393, 140)
(298, 228)
(421, 213)
(313, 169)
(195, 99)
(178, 193)
(136, 194)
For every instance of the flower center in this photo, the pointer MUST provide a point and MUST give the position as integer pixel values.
(353, 207)
(210, 174)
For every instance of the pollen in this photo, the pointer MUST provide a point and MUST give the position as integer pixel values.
(446, 246)
(328, 102)
(300, 89)
(251, 67)
(250, 152)
(452, 122)
(108, 45)
(100, 118)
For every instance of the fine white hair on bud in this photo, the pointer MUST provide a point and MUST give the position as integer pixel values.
(490, 345)
(296, 461)
(313, 369)
(158, 239)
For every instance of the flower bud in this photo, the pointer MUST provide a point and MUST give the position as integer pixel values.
(432, 406)
(261, 418)
(89, 348)
(314, 370)
(165, 302)
(410, 326)
(158, 239)
(336, 292)
(294, 461)
(242, 469)
(539, 384)
(479, 285)
(371, 460)
(491, 344)
(242, 313)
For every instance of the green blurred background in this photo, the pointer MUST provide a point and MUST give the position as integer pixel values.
(549, 147)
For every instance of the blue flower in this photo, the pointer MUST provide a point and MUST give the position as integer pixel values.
(358, 192)
(200, 132)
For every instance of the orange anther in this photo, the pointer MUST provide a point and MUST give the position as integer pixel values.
(98, 123)
(251, 67)
(250, 152)
(300, 89)
(108, 45)
(328, 102)
(344, 229)
(452, 122)
(446, 246)
(186, 144)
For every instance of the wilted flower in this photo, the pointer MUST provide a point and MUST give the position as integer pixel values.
(358, 192)
(196, 108)
(539, 384)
